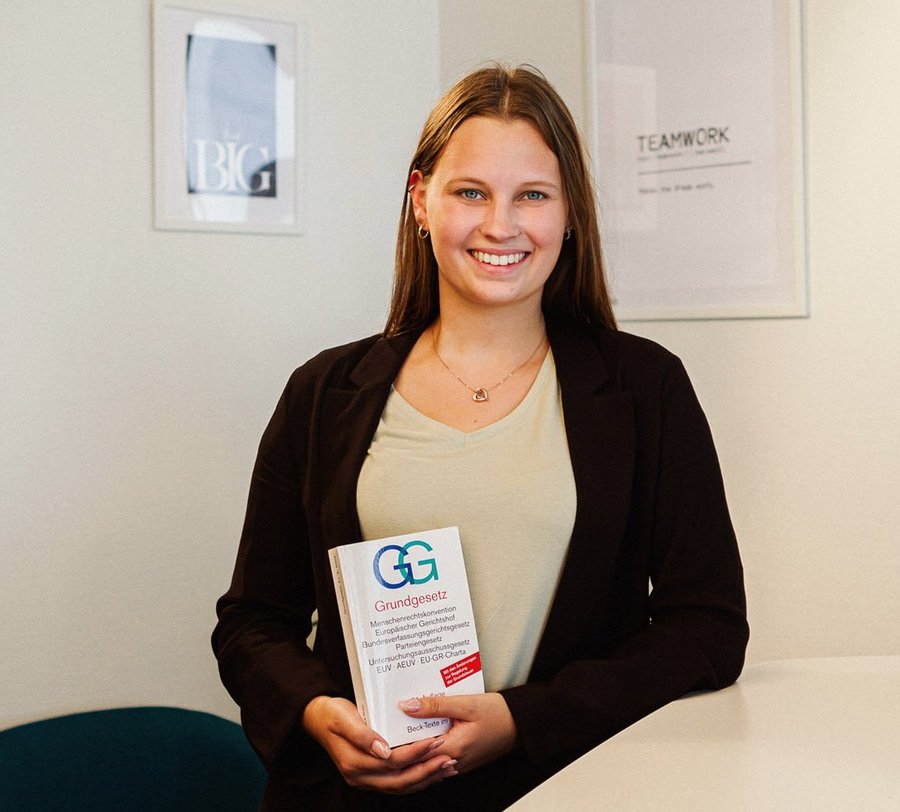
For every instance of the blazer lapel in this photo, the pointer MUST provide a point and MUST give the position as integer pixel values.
(350, 414)
(600, 428)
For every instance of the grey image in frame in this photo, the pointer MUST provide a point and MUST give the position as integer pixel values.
(231, 117)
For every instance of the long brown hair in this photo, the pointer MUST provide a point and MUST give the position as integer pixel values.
(576, 290)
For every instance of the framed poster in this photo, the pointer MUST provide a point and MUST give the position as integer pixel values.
(697, 130)
(225, 107)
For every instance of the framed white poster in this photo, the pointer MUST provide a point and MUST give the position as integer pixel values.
(697, 130)
(227, 151)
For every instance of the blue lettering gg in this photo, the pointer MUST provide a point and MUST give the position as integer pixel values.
(411, 572)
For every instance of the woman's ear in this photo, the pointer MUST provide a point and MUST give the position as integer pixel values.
(416, 189)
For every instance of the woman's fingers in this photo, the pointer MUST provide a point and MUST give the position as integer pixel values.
(326, 715)
(463, 706)
(413, 778)
(364, 758)
(408, 754)
(483, 728)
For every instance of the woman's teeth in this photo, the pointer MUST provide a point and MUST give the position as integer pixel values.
(499, 259)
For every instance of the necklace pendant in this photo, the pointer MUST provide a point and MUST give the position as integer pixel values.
(480, 395)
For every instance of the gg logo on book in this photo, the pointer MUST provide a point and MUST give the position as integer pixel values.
(404, 567)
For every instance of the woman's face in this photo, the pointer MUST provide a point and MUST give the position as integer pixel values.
(496, 213)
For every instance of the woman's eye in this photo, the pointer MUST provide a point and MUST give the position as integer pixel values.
(470, 194)
(534, 195)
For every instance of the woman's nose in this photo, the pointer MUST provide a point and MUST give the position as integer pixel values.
(500, 222)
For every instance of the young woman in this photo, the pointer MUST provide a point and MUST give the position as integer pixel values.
(500, 398)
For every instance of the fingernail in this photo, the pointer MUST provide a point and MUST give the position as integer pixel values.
(448, 768)
(380, 749)
(411, 705)
(435, 744)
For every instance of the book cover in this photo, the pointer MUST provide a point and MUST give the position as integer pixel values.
(408, 626)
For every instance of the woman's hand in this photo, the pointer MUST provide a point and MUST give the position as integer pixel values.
(364, 758)
(483, 728)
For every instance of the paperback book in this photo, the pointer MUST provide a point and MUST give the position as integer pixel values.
(408, 627)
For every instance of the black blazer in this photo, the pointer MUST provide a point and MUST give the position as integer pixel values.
(651, 509)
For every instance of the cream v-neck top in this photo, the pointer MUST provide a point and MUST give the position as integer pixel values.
(509, 488)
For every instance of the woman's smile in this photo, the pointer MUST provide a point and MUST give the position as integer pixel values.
(499, 259)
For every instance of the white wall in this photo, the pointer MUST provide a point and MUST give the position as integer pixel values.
(138, 367)
(805, 412)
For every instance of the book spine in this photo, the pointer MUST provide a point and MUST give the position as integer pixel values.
(349, 637)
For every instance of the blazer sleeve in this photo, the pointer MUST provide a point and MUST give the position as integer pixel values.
(691, 630)
(265, 617)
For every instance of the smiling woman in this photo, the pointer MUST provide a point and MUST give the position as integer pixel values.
(495, 209)
(577, 291)
(500, 398)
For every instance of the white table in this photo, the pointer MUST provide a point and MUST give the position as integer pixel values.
(810, 734)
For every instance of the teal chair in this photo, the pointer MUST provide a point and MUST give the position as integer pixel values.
(129, 760)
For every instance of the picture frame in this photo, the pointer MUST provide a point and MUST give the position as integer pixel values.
(228, 151)
(696, 123)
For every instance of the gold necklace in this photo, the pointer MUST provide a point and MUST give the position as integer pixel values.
(480, 393)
